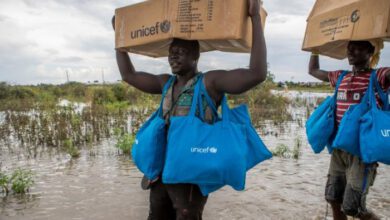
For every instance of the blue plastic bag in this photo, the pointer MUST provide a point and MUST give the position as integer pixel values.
(375, 132)
(148, 151)
(256, 151)
(320, 126)
(347, 137)
(205, 154)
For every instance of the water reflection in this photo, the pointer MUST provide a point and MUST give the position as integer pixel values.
(102, 184)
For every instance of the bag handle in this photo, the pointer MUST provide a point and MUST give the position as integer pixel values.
(339, 80)
(195, 97)
(164, 92)
(224, 105)
(225, 111)
(374, 86)
(201, 90)
(210, 103)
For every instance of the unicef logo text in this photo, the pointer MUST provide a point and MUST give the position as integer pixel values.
(204, 150)
(159, 27)
(385, 133)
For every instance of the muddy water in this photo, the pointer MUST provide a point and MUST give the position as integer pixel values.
(102, 184)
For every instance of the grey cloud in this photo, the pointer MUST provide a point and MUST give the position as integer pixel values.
(100, 10)
(19, 63)
(92, 43)
(3, 18)
(299, 7)
(52, 51)
(277, 19)
(69, 59)
(32, 3)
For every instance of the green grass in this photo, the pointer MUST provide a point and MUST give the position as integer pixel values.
(21, 180)
(281, 150)
(4, 181)
(73, 151)
(44, 96)
(284, 151)
(124, 142)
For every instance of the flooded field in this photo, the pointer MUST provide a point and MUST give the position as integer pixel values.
(104, 184)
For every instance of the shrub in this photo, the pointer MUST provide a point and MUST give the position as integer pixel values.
(4, 180)
(124, 141)
(21, 180)
(102, 95)
(73, 151)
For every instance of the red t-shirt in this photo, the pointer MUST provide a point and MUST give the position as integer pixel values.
(353, 88)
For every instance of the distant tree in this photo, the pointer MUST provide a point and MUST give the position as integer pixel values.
(4, 90)
(270, 77)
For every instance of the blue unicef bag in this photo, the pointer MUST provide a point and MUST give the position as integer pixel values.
(347, 137)
(321, 124)
(256, 151)
(205, 154)
(148, 151)
(375, 132)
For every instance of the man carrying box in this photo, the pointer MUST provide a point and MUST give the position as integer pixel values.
(344, 188)
(185, 201)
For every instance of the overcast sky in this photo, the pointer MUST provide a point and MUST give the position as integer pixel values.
(41, 40)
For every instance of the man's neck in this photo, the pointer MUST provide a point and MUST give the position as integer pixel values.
(361, 68)
(183, 79)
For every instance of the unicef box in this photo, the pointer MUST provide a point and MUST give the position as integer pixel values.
(332, 23)
(148, 27)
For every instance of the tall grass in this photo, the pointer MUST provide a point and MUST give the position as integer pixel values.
(19, 181)
(33, 117)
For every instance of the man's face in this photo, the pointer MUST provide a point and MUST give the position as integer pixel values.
(358, 53)
(180, 59)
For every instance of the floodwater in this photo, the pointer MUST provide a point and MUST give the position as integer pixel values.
(102, 184)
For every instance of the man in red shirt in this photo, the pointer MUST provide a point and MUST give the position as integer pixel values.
(346, 172)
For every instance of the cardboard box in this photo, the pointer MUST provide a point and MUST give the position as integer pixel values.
(332, 23)
(148, 27)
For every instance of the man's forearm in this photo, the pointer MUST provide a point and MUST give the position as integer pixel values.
(314, 68)
(388, 77)
(125, 66)
(314, 63)
(258, 59)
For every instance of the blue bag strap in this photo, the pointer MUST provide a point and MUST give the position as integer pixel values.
(224, 105)
(374, 86)
(209, 101)
(339, 80)
(195, 97)
(201, 90)
(168, 84)
(378, 88)
(164, 92)
(225, 111)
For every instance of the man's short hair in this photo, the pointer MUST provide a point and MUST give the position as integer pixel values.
(191, 45)
(367, 44)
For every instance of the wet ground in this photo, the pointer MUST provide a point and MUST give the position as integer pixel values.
(102, 184)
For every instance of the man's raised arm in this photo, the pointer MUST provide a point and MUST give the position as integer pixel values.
(143, 81)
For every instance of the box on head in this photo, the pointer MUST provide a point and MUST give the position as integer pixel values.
(333, 23)
(148, 27)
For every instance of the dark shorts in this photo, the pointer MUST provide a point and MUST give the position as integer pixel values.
(176, 201)
(348, 182)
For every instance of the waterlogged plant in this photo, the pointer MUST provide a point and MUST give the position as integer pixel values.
(296, 152)
(4, 181)
(284, 151)
(21, 180)
(281, 150)
(124, 141)
(73, 151)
